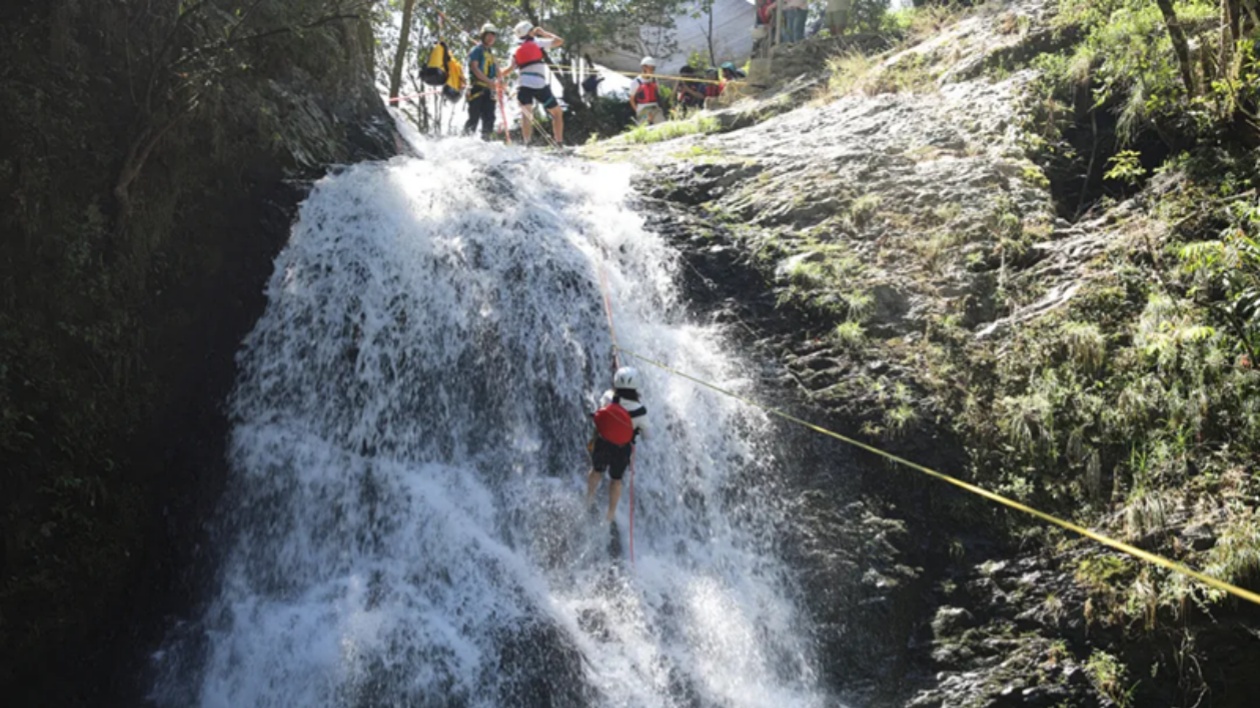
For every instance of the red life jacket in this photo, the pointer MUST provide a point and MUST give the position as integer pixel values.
(763, 12)
(613, 423)
(528, 54)
(646, 92)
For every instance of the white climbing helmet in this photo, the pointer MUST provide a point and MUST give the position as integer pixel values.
(626, 377)
(648, 61)
(488, 28)
(523, 28)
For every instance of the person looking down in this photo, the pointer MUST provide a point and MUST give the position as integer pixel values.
(645, 95)
(485, 72)
(535, 85)
(619, 422)
(691, 94)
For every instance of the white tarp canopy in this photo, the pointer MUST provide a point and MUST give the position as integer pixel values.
(732, 39)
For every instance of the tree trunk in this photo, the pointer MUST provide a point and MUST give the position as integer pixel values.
(1180, 47)
(709, 37)
(1231, 31)
(400, 57)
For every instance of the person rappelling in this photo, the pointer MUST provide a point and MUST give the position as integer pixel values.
(535, 84)
(619, 422)
(485, 73)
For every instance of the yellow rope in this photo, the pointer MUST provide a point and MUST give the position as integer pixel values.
(689, 79)
(1134, 551)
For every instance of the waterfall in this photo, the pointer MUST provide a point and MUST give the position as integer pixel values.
(405, 523)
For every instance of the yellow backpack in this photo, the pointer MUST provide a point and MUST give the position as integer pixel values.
(441, 71)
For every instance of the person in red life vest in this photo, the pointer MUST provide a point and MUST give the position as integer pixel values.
(535, 84)
(645, 94)
(620, 420)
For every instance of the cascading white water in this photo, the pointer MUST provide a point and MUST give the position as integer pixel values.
(405, 523)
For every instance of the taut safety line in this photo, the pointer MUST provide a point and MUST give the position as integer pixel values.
(1105, 540)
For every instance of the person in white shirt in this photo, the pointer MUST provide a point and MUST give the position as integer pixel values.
(535, 84)
(645, 94)
(609, 456)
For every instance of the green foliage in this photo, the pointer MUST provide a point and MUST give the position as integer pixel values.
(1085, 345)
(1236, 556)
(1126, 167)
(1226, 276)
(701, 124)
(916, 23)
(605, 117)
(869, 16)
(1110, 678)
(1127, 54)
(849, 334)
(824, 281)
(847, 72)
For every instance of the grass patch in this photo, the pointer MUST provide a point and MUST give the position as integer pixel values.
(848, 72)
(698, 153)
(1110, 678)
(849, 334)
(703, 124)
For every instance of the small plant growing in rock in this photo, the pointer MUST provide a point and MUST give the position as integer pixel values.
(1126, 167)
(898, 421)
(1236, 555)
(1084, 345)
(864, 208)
(849, 334)
(1109, 677)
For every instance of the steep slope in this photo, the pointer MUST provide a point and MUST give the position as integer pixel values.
(896, 248)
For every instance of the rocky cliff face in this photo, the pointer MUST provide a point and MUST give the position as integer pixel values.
(889, 242)
(150, 162)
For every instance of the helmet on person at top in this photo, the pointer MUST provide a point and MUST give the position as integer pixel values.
(626, 377)
(648, 61)
(489, 28)
(523, 28)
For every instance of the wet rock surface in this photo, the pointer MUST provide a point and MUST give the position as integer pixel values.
(838, 237)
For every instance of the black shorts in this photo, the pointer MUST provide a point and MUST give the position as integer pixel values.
(610, 458)
(527, 95)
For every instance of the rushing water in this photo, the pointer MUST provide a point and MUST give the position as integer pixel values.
(405, 524)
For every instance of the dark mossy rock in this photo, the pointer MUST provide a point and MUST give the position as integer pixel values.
(147, 186)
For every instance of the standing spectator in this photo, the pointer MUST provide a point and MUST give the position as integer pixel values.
(763, 29)
(645, 95)
(838, 16)
(485, 72)
(534, 83)
(794, 14)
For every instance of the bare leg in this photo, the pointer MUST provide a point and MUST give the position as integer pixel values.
(614, 496)
(592, 485)
(527, 122)
(557, 124)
